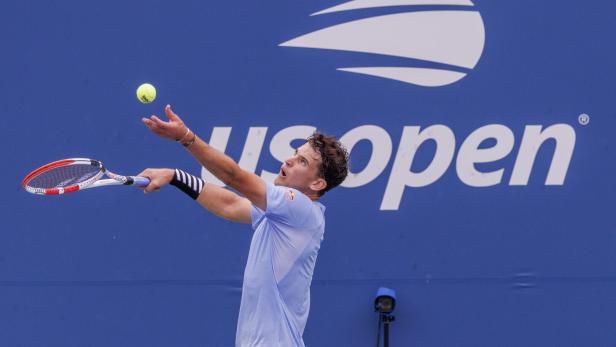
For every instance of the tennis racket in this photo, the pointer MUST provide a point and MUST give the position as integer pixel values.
(74, 174)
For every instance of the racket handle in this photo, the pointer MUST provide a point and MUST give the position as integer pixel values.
(140, 181)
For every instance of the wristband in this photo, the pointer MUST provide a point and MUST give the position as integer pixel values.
(190, 142)
(188, 183)
(182, 138)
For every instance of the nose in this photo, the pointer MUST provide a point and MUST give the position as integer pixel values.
(289, 161)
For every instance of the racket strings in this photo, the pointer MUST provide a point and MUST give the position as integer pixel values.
(64, 176)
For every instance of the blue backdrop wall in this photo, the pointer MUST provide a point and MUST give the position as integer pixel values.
(482, 157)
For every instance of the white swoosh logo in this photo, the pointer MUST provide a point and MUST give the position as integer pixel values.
(454, 38)
(360, 4)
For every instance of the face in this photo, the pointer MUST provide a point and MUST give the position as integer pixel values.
(301, 171)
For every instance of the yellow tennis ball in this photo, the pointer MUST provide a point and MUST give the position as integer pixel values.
(146, 93)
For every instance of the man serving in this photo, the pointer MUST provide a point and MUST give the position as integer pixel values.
(287, 219)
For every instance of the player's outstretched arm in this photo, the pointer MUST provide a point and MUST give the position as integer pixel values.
(217, 200)
(220, 165)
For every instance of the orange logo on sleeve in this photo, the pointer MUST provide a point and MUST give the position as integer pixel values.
(291, 195)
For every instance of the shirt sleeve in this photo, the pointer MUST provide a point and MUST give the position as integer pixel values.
(288, 206)
(256, 215)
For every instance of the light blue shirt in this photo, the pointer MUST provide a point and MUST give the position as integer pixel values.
(283, 252)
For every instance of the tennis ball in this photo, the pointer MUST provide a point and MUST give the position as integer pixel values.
(146, 93)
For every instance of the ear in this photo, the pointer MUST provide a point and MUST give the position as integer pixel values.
(318, 184)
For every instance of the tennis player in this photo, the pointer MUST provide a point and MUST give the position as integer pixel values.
(287, 219)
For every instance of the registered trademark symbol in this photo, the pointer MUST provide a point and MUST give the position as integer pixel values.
(584, 119)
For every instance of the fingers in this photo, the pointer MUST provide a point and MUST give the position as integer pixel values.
(155, 121)
(145, 173)
(153, 186)
(154, 126)
(149, 123)
(168, 112)
(159, 122)
(172, 116)
(172, 129)
(158, 178)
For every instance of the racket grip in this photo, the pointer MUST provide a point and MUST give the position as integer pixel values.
(140, 181)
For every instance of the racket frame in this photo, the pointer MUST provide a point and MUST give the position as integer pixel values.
(92, 182)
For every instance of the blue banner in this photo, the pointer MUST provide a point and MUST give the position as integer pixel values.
(481, 185)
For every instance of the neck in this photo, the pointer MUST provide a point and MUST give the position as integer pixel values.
(312, 196)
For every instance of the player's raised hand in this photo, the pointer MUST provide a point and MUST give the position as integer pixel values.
(174, 129)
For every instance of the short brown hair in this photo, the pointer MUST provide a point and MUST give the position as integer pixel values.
(334, 159)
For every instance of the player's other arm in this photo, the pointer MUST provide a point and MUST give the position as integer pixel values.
(219, 201)
(225, 203)
(228, 171)
(220, 165)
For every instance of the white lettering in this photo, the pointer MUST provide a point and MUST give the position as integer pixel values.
(470, 153)
(379, 157)
(401, 173)
(250, 154)
(532, 140)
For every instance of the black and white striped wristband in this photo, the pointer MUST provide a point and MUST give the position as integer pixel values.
(188, 183)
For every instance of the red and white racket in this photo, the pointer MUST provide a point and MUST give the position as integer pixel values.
(74, 174)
